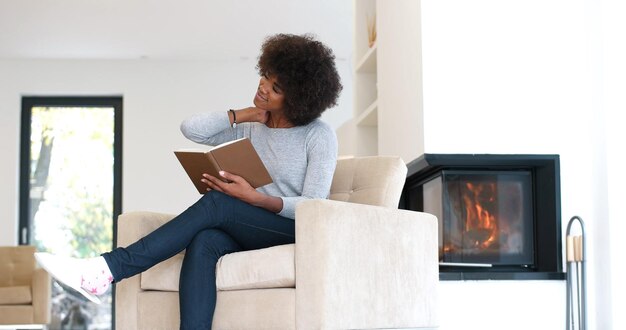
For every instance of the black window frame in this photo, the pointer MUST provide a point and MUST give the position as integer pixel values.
(28, 102)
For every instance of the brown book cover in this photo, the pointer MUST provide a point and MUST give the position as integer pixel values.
(237, 157)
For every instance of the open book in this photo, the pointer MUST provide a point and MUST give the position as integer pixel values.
(237, 157)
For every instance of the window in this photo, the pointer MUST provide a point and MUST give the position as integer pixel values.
(70, 189)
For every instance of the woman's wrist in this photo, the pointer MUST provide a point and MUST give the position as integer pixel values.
(232, 117)
(250, 114)
(270, 203)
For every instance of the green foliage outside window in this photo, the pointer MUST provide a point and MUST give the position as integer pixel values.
(72, 180)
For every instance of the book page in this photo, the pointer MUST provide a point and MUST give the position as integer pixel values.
(226, 143)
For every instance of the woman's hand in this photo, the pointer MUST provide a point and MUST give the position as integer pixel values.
(239, 188)
(236, 186)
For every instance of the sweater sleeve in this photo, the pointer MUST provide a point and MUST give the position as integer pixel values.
(321, 163)
(211, 128)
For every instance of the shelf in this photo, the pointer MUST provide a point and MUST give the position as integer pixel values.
(367, 64)
(369, 117)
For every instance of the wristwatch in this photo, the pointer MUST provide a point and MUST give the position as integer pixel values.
(234, 118)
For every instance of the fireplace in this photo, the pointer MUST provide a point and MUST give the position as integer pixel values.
(499, 215)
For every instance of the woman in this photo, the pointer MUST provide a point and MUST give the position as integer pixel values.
(298, 82)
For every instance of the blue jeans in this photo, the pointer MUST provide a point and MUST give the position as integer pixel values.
(214, 226)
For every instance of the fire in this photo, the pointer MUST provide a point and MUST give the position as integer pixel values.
(481, 227)
(484, 217)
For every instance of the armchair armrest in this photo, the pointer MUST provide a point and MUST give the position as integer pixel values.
(131, 227)
(360, 266)
(42, 294)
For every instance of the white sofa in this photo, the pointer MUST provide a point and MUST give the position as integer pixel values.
(354, 266)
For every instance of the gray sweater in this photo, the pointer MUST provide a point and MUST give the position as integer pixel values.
(301, 159)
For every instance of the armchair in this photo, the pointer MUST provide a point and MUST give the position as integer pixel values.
(24, 290)
(353, 265)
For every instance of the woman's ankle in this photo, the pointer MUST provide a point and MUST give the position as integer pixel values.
(96, 276)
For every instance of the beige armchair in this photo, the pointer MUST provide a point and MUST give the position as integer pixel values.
(24, 290)
(353, 266)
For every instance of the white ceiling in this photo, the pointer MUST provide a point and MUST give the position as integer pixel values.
(159, 29)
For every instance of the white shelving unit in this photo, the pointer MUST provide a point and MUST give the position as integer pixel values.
(368, 117)
(387, 115)
(365, 80)
(367, 96)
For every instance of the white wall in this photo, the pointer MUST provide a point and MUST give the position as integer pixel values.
(614, 104)
(157, 95)
(523, 77)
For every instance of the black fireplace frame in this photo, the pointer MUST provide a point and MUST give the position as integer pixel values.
(545, 170)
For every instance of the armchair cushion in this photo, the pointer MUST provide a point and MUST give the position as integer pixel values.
(16, 265)
(369, 180)
(272, 267)
(15, 295)
(257, 269)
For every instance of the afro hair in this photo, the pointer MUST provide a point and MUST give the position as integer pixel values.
(305, 69)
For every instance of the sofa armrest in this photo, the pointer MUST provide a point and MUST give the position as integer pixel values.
(360, 266)
(42, 294)
(131, 227)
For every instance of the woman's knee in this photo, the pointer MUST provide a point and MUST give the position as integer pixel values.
(216, 199)
(212, 196)
(212, 242)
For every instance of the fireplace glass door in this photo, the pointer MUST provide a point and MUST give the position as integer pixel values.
(486, 217)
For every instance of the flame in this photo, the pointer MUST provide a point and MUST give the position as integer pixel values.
(481, 226)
